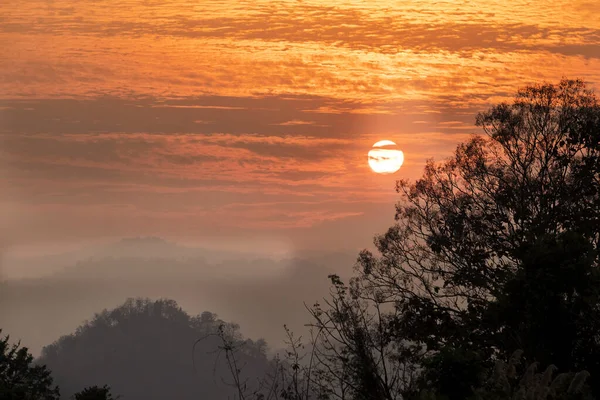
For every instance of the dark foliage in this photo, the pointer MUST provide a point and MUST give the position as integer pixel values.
(493, 250)
(20, 378)
(94, 393)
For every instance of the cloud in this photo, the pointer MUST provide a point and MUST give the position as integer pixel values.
(288, 116)
(433, 27)
(116, 145)
(160, 124)
(296, 122)
(370, 53)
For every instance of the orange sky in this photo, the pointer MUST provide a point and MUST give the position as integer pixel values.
(237, 119)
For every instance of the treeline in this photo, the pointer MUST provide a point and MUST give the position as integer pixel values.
(486, 287)
(142, 349)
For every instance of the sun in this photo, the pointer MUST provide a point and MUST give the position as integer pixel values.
(385, 157)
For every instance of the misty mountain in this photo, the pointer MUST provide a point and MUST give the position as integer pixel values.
(143, 350)
(260, 294)
(32, 266)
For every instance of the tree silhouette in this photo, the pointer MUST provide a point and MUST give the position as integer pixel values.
(505, 382)
(20, 378)
(289, 378)
(94, 393)
(510, 381)
(493, 250)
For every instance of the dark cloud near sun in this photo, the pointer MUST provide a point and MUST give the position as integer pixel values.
(112, 150)
(265, 116)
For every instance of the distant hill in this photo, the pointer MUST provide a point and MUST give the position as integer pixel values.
(143, 350)
(36, 266)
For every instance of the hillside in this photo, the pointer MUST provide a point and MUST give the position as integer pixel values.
(143, 350)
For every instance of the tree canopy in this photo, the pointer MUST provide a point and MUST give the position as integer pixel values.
(94, 393)
(493, 250)
(20, 377)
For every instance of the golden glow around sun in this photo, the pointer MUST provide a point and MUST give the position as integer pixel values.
(385, 157)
